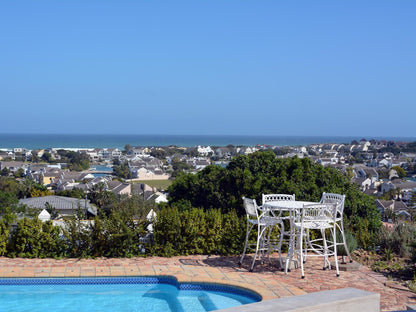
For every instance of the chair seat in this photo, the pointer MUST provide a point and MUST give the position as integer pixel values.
(265, 221)
(317, 225)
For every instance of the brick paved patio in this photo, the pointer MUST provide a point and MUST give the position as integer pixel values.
(266, 279)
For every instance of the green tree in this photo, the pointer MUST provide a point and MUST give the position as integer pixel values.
(349, 173)
(7, 200)
(400, 171)
(47, 157)
(74, 193)
(122, 170)
(5, 172)
(19, 173)
(4, 237)
(179, 166)
(127, 148)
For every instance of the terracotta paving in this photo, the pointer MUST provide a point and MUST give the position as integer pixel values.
(267, 279)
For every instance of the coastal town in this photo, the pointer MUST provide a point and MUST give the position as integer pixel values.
(383, 169)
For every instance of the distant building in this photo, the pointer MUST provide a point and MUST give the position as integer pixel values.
(66, 206)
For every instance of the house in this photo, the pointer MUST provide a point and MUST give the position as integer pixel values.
(198, 163)
(13, 166)
(327, 161)
(361, 171)
(363, 183)
(387, 186)
(143, 190)
(71, 179)
(398, 207)
(205, 150)
(137, 152)
(115, 153)
(148, 162)
(223, 152)
(44, 215)
(160, 198)
(245, 150)
(406, 188)
(50, 176)
(385, 163)
(92, 154)
(119, 188)
(146, 174)
(6, 155)
(66, 206)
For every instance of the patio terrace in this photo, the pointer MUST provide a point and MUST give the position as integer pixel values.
(266, 279)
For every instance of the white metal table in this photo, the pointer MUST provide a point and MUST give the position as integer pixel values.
(291, 208)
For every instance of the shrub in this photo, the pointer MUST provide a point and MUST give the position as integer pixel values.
(33, 238)
(4, 237)
(401, 240)
(351, 243)
(194, 231)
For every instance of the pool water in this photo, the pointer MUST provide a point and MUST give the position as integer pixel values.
(113, 295)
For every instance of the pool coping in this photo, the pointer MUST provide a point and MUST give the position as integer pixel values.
(263, 293)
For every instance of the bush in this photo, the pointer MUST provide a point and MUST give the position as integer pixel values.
(33, 238)
(401, 240)
(351, 243)
(4, 237)
(194, 231)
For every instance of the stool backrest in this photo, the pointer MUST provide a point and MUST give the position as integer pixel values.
(336, 199)
(251, 207)
(277, 197)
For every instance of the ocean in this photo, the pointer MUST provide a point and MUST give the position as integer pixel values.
(38, 141)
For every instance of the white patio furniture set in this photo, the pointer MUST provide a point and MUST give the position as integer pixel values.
(283, 220)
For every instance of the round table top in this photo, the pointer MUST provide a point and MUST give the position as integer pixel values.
(287, 204)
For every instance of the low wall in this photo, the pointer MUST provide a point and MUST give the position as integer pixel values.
(340, 300)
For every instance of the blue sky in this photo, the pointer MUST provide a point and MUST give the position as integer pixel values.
(342, 68)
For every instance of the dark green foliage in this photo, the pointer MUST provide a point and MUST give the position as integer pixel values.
(194, 231)
(32, 238)
(51, 241)
(179, 167)
(167, 233)
(4, 172)
(7, 200)
(4, 238)
(25, 239)
(11, 185)
(122, 170)
(233, 234)
(123, 235)
(159, 153)
(261, 172)
(78, 239)
(74, 193)
(400, 171)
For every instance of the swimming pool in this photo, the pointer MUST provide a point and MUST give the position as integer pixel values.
(117, 294)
